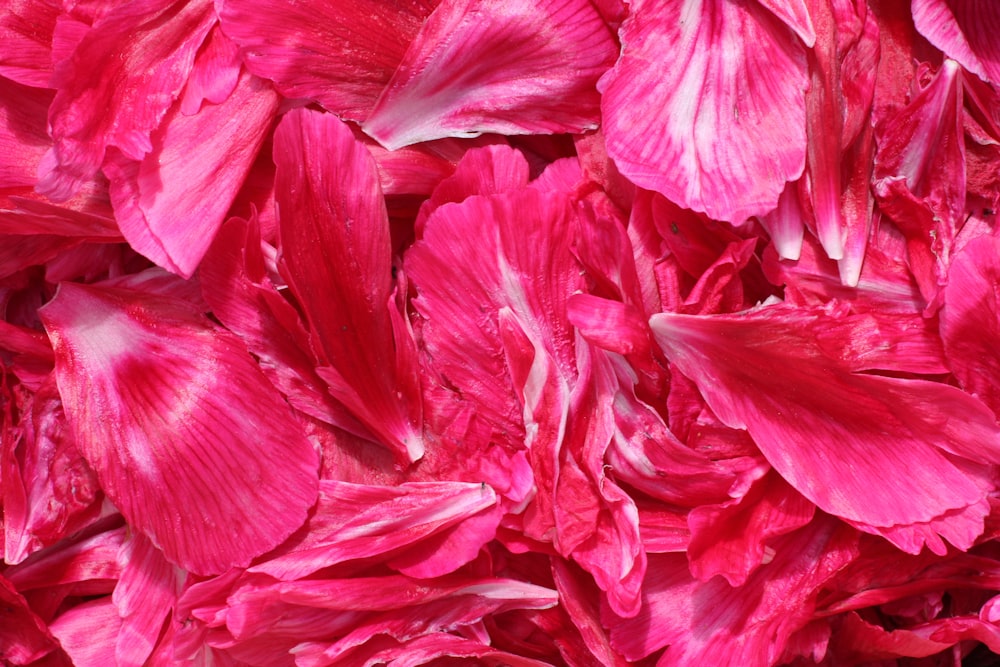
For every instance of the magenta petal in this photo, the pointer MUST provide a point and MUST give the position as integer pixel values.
(513, 67)
(354, 521)
(970, 319)
(144, 595)
(170, 203)
(113, 91)
(340, 54)
(335, 244)
(26, 28)
(168, 410)
(726, 109)
(966, 30)
(875, 450)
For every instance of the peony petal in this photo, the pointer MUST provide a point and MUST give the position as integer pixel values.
(965, 30)
(513, 67)
(920, 175)
(725, 110)
(117, 86)
(150, 387)
(236, 286)
(23, 138)
(87, 632)
(144, 595)
(712, 623)
(26, 41)
(335, 245)
(871, 449)
(970, 319)
(170, 203)
(354, 521)
(338, 54)
(733, 539)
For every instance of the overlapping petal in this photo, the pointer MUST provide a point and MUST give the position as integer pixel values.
(716, 120)
(149, 387)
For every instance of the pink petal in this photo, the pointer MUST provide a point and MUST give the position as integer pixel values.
(733, 539)
(23, 635)
(117, 86)
(241, 295)
(514, 67)
(53, 493)
(794, 14)
(817, 422)
(339, 54)
(335, 245)
(91, 556)
(216, 73)
(353, 521)
(970, 319)
(26, 41)
(144, 595)
(171, 202)
(148, 387)
(920, 175)
(726, 109)
(23, 138)
(965, 30)
(87, 632)
(712, 623)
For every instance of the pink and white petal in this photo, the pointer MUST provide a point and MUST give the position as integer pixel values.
(87, 632)
(965, 30)
(726, 109)
(970, 319)
(336, 247)
(514, 67)
(150, 386)
(171, 202)
(26, 41)
(338, 54)
(119, 83)
(871, 449)
(354, 522)
(144, 596)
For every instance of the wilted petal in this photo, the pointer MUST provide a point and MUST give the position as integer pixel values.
(966, 30)
(725, 109)
(171, 202)
(336, 247)
(875, 450)
(516, 67)
(339, 54)
(169, 411)
(114, 90)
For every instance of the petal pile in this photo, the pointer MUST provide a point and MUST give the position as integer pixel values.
(564, 333)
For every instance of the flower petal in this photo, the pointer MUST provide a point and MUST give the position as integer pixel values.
(118, 84)
(513, 67)
(965, 30)
(878, 451)
(340, 54)
(725, 110)
(335, 245)
(170, 203)
(168, 410)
